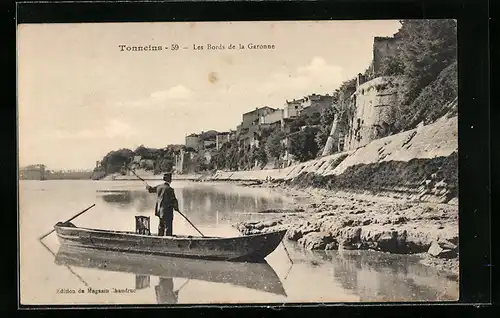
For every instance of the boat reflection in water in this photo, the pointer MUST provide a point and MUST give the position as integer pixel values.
(165, 293)
(257, 276)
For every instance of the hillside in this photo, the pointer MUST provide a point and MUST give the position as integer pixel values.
(416, 164)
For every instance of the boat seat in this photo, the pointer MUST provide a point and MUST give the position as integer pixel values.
(142, 224)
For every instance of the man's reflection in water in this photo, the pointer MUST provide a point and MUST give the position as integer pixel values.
(165, 293)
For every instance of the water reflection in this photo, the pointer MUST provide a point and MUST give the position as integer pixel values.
(205, 205)
(345, 276)
(381, 277)
(257, 276)
(142, 281)
(165, 293)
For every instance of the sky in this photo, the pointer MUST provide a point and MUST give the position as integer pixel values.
(80, 96)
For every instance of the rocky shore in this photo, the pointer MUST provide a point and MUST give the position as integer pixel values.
(325, 220)
(398, 194)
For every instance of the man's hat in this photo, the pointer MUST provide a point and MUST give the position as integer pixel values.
(167, 174)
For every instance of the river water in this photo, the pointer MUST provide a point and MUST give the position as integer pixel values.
(50, 276)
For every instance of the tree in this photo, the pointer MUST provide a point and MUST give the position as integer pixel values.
(426, 47)
(345, 91)
(199, 163)
(429, 46)
(114, 161)
(274, 146)
(303, 146)
(261, 155)
(232, 156)
(142, 151)
(165, 164)
(220, 157)
(160, 160)
(391, 66)
(300, 121)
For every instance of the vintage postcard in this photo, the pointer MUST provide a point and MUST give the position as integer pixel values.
(238, 162)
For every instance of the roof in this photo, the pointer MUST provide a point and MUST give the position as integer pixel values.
(259, 108)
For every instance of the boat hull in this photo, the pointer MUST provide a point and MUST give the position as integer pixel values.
(251, 248)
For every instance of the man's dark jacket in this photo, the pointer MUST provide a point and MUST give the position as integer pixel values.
(166, 201)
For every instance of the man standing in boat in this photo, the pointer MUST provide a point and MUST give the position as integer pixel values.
(166, 203)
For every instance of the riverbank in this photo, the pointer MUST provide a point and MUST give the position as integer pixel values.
(398, 194)
(320, 219)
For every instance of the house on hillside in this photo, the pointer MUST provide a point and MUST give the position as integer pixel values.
(316, 103)
(272, 118)
(293, 108)
(252, 118)
(193, 141)
(221, 139)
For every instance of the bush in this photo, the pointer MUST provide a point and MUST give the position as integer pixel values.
(431, 104)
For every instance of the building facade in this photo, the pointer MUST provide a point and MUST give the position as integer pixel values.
(315, 104)
(221, 139)
(272, 118)
(293, 108)
(384, 47)
(252, 118)
(193, 141)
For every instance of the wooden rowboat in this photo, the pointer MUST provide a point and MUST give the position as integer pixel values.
(257, 276)
(250, 248)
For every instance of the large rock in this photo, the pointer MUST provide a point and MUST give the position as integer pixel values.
(443, 249)
(317, 241)
(349, 238)
(386, 240)
(334, 224)
(296, 232)
(257, 227)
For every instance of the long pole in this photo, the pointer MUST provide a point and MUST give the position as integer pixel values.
(137, 176)
(191, 223)
(182, 286)
(177, 211)
(74, 217)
